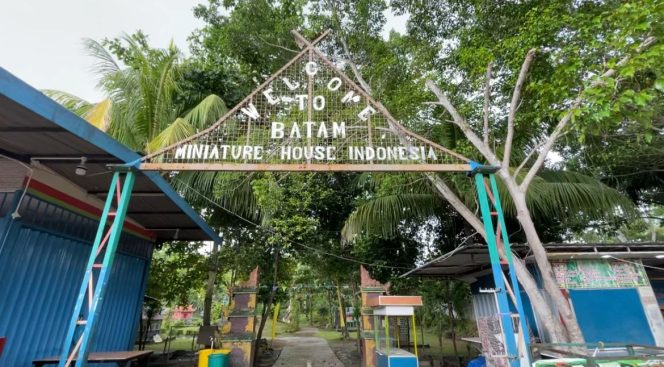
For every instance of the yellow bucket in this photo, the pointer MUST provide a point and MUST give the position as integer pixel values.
(203, 355)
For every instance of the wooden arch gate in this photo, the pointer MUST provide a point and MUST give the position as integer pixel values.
(308, 116)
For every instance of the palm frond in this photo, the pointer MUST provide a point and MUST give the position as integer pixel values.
(383, 215)
(566, 194)
(178, 130)
(97, 114)
(205, 113)
(105, 63)
(100, 114)
(230, 190)
(165, 87)
(237, 195)
(71, 102)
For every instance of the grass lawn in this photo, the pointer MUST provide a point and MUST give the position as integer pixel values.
(180, 343)
(267, 331)
(429, 338)
(333, 335)
(448, 349)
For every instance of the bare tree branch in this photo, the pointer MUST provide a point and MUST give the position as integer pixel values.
(551, 140)
(525, 160)
(487, 96)
(353, 66)
(516, 96)
(448, 194)
(276, 45)
(460, 121)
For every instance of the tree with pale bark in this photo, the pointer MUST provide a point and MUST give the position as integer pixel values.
(634, 50)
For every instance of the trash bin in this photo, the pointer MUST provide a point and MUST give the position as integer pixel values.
(203, 355)
(219, 358)
(477, 362)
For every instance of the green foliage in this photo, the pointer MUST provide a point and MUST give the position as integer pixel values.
(565, 195)
(254, 34)
(159, 97)
(176, 269)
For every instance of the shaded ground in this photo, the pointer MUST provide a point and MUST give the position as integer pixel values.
(347, 352)
(304, 349)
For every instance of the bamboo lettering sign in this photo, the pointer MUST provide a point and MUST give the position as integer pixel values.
(308, 116)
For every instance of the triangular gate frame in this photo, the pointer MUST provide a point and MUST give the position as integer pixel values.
(381, 142)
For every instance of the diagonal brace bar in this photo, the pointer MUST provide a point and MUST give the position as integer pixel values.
(83, 345)
(511, 348)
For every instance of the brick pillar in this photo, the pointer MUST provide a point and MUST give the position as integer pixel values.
(239, 334)
(369, 288)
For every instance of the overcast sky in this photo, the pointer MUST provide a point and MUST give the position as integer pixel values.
(40, 40)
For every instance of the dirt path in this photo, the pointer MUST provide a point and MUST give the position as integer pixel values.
(304, 349)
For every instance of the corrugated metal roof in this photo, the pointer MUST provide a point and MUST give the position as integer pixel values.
(31, 125)
(468, 260)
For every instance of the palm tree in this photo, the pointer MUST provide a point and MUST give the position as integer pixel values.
(554, 193)
(140, 109)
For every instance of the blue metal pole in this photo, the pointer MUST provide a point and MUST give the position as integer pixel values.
(501, 294)
(508, 253)
(105, 272)
(74, 322)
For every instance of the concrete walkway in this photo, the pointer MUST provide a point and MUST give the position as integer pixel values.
(304, 349)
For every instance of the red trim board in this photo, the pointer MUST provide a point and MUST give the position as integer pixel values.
(59, 198)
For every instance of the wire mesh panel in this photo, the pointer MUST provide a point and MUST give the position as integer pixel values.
(308, 116)
(492, 338)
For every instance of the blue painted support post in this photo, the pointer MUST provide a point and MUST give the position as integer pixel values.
(81, 348)
(510, 263)
(501, 293)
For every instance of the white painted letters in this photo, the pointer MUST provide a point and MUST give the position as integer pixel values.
(251, 111)
(334, 84)
(270, 98)
(319, 103)
(277, 130)
(311, 68)
(350, 97)
(366, 113)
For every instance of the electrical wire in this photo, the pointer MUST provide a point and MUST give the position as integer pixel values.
(349, 259)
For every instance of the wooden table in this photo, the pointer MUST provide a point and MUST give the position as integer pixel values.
(121, 358)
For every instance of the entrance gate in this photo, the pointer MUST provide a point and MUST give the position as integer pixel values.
(308, 116)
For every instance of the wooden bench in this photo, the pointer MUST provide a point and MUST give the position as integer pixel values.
(122, 359)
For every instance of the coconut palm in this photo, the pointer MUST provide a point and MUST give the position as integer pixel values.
(554, 193)
(140, 109)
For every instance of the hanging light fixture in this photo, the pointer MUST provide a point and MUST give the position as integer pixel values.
(82, 169)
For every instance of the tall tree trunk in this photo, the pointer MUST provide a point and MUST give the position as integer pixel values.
(270, 298)
(330, 308)
(342, 313)
(450, 313)
(209, 288)
(541, 307)
(548, 278)
(142, 334)
(440, 337)
(311, 309)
